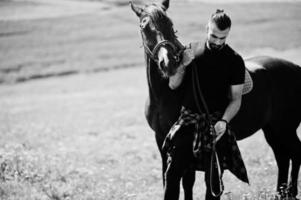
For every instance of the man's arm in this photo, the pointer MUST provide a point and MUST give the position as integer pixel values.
(176, 80)
(231, 110)
(235, 102)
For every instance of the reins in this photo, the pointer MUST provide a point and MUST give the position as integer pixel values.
(214, 162)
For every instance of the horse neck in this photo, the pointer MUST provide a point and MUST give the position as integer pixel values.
(162, 99)
(158, 87)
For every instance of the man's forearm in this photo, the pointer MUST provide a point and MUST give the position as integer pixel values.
(176, 80)
(232, 109)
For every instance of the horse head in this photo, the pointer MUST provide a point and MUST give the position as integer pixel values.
(158, 36)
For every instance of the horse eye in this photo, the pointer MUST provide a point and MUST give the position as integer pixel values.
(143, 23)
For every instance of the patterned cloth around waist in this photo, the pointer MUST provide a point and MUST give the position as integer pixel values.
(227, 148)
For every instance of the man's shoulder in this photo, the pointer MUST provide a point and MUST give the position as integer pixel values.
(197, 48)
(230, 51)
(236, 66)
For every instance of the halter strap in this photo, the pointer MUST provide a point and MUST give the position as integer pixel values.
(153, 53)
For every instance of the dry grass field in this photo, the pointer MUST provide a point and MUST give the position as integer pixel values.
(72, 96)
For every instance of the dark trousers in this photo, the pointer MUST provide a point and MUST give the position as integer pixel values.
(180, 161)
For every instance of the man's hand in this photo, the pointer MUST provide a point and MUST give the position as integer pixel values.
(220, 128)
(231, 110)
(188, 56)
(176, 79)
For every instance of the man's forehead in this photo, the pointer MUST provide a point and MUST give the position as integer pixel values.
(213, 29)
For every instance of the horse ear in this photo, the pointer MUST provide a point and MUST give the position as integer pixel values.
(165, 4)
(136, 9)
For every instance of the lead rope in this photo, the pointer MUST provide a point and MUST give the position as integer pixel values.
(214, 161)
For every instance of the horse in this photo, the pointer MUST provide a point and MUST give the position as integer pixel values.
(273, 105)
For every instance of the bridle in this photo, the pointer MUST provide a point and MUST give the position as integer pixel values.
(153, 54)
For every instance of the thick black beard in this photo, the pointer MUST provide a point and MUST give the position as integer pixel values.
(216, 48)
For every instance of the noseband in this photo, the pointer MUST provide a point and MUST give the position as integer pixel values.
(153, 54)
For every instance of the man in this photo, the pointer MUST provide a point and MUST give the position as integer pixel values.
(221, 73)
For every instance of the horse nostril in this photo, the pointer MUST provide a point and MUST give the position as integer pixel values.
(161, 64)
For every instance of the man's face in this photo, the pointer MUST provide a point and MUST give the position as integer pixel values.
(216, 38)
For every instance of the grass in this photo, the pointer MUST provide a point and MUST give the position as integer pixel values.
(85, 137)
(80, 144)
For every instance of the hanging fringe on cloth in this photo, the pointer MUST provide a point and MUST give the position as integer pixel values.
(224, 154)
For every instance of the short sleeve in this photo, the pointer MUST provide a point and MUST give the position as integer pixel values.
(237, 70)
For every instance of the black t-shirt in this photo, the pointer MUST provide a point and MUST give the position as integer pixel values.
(217, 71)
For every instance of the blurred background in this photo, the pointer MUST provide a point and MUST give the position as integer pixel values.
(42, 38)
(73, 86)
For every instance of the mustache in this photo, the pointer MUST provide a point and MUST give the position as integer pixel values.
(216, 46)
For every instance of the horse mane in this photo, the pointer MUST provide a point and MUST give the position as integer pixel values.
(161, 21)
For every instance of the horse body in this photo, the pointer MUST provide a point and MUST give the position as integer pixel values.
(255, 110)
(274, 105)
(275, 99)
